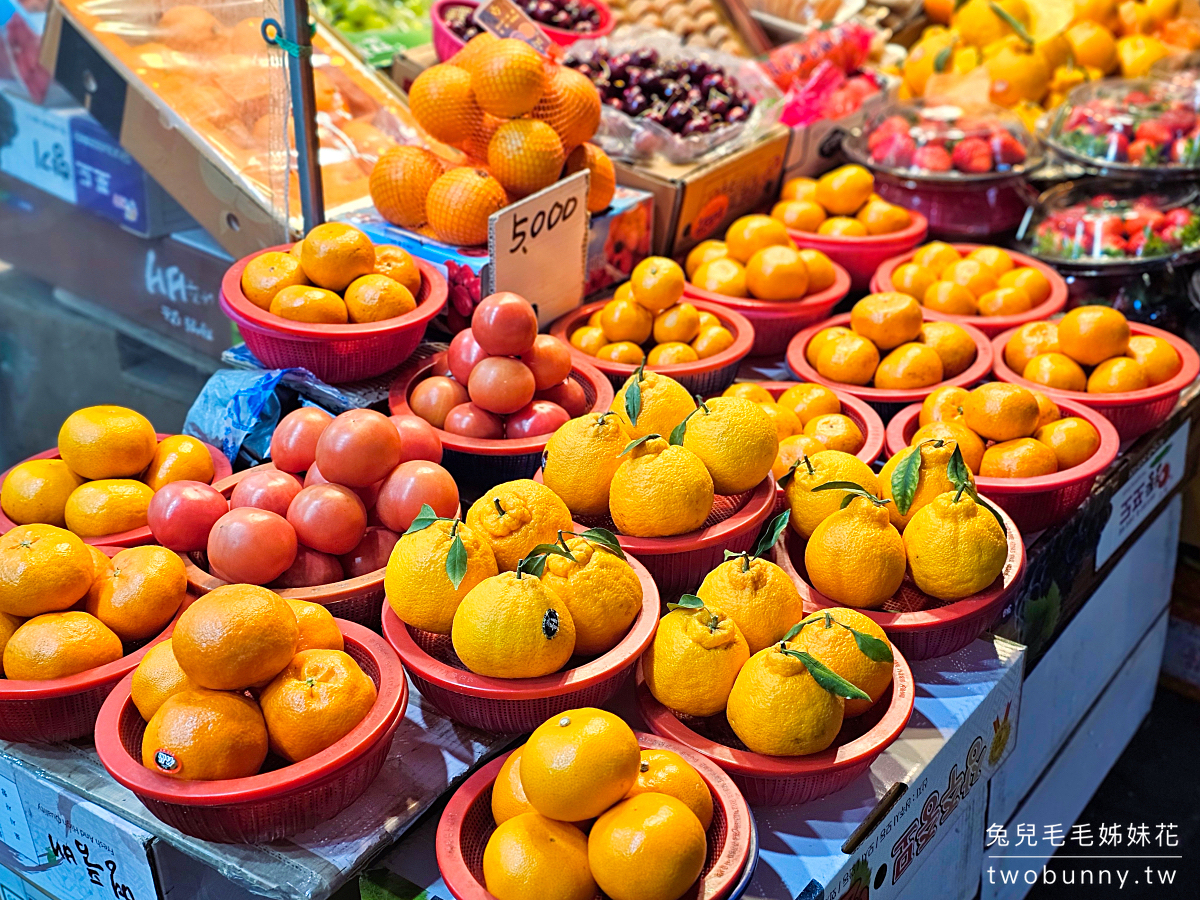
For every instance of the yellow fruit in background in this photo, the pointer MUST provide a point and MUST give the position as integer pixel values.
(649, 847)
(749, 234)
(777, 708)
(666, 772)
(1092, 334)
(758, 595)
(1137, 53)
(952, 344)
(736, 440)
(799, 215)
(723, 275)
(664, 404)
(913, 279)
(416, 583)
(827, 636)
(580, 460)
(851, 359)
(589, 339)
(909, 366)
(936, 256)
(1162, 10)
(887, 319)
(530, 857)
(1017, 76)
(107, 506)
(179, 458)
(659, 490)
(932, 479)
(1001, 412)
(703, 252)
(810, 508)
(513, 626)
(107, 442)
(516, 516)
(623, 352)
(826, 336)
(968, 441)
(578, 763)
(671, 353)
(694, 659)
(1103, 12)
(786, 422)
(955, 548)
(36, 491)
(626, 320)
(808, 400)
(821, 274)
(799, 189)
(979, 24)
(1092, 45)
(1158, 359)
(1028, 279)
(843, 226)
(922, 58)
(602, 591)
(855, 557)
(749, 390)
(843, 191)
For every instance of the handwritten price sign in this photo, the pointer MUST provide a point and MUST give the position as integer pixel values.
(539, 247)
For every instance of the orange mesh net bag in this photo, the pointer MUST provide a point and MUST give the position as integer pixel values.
(519, 121)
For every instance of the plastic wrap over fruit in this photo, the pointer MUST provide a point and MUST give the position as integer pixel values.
(1137, 125)
(217, 79)
(844, 46)
(1106, 224)
(682, 102)
(829, 93)
(940, 141)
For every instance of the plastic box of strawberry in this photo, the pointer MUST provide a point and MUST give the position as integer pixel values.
(1141, 125)
(945, 142)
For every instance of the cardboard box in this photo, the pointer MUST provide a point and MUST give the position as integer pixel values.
(699, 200)
(916, 794)
(1181, 658)
(618, 239)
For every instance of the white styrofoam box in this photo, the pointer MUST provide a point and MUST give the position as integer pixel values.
(1086, 656)
(955, 861)
(1073, 777)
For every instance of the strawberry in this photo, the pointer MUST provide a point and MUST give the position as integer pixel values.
(1178, 216)
(1178, 121)
(1143, 219)
(889, 126)
(932, 158)
(1135, 243)
(972, 155)
(1136, 98)
(1186, 150)
(896, 151)
(1118, 148)
(1138, 150)
(1173, 235)
(1009, 151)
(1152, 131)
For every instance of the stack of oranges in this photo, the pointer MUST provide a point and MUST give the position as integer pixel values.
(111, 465)
(1006, 431)
(65, 607)
(1090, 349)
(647, 308)
(985, 282)
(841, 203)
(757, 259)
(921, 353)
(646, 813)
(522, 122)
(334, 276)
(195, 689)
(808, 419)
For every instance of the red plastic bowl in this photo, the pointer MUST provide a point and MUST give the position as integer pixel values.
(787, 780)
(136, 536)
(333, 353)
(1132, 413)
(478, 464)
(861, 256)
(1033, 503)
(775, 321)
(515, 705)
(886, 402)
(355, 599)
(704, 377)
(970, 209)
(680, 562)
(63, 709)
(467, 824)
(989, 325)
(920, 626)
(446, 43)
(273, 804)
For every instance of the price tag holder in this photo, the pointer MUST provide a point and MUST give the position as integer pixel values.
(538, 247)
(1153, 480)
(505, 19)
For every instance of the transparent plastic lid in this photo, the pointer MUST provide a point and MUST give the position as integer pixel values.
(1137, 125)
(1107, 223)
(945, 142)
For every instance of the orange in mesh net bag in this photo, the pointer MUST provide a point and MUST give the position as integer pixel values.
(571, 106)
(400, 182)
(525, 155)
(508, 78)
(460, 202)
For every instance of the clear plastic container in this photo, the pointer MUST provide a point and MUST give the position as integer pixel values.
(945, 142)
(1143, 126)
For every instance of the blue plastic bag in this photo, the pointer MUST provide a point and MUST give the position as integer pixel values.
(237, 411)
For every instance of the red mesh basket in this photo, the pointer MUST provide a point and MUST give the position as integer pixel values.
(704, 377)
(136, 536)
(63, 709)
(333, 353)
(1033, 503)
(788, 780)
(446, 43)
(886, 402)
(861, 256)
(775, 321)
(467, 824)
(355, 599)
(989, 325)
(284, 799)
(1132, 413)
(515, 705)
(479, 464)
(920, 626)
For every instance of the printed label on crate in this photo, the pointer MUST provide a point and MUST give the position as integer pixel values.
(1153, 480)
(38, 147)
(540, 247)
(107, 179)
